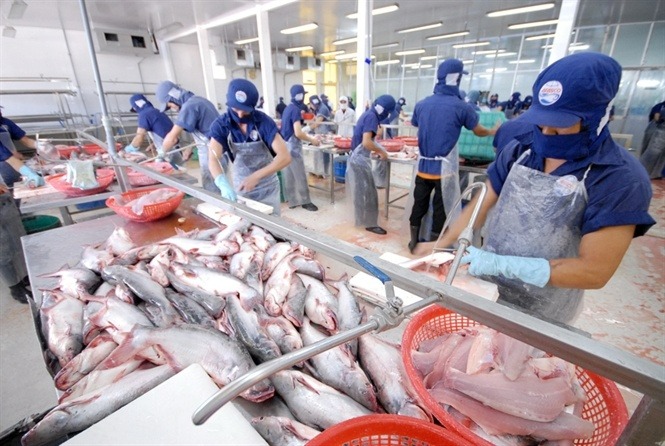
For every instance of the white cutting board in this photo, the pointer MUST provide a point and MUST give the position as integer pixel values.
(214, 212)
(163, 416)
(373, 290)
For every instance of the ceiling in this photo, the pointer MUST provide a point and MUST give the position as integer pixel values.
(330, 15)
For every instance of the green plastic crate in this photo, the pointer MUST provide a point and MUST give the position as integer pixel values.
(472, 147)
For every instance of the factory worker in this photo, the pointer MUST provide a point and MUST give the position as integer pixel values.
(359, 172)
(195, 115)
(295, 176)
(11, 161)
(151, 122)
(653, 143)
(344, 118)
(566, 202)
(472, 99)
(512, 106)
(326, 101)
(494, 101)
(250, 138)
(322, 114)
(279, 109)
(439, 118)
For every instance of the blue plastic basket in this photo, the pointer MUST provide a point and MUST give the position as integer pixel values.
(340, 169)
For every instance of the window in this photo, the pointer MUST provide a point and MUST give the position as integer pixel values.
(138, 42)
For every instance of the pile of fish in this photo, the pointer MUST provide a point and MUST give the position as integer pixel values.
(128, 317)
(504, 390)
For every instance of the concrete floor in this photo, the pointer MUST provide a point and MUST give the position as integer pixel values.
(629, 312)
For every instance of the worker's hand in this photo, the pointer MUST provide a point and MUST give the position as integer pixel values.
(530, 270)
(34, 179)
(130, 149)
(18, 155)
(3, 189)
(382, 153)
(249, 183)
(315, 142)
(46, 149)
(225, 188)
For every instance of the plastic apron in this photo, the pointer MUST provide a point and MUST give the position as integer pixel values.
(296, 188)
(250, 157)
(12, 263)
(538, 215)
(360, 183)
(322, 160)
(7, 172)
(653, 157)
(158, 141)
(380, 171)
(450, 192)
(202, 146)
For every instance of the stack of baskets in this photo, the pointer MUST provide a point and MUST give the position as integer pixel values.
(137, 179)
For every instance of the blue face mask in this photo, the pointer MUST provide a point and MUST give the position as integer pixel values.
(244, 120)
(564, 147)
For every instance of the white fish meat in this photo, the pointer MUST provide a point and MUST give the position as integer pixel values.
(157, 196)
(83, 412)
(314, 403)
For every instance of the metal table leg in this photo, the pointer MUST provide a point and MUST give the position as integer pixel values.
(66, 216)
(388, 171)
(332, 178)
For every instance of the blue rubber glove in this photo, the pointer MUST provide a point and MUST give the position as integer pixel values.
(130, 149)
(32, 176)
(227, 191)
(529, 270)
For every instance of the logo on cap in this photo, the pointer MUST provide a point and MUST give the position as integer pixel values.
(550, 92)
(241, 97)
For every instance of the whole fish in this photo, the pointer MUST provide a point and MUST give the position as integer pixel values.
(383, 363)
(239, 226)
(274, 255)
(277, 286)
(216, 282)
(158, 266)
(119, 242)
(310, 267)
(213, 304)
(261, 238)
(338, 368)
(98, 379)
(190, 310)
(294, 307)
(104, 289)
(83, 412)
(62, 325)
(83, 363)
(348, 313)
(96, 259)
(246, 265)
(321, 305)
(221, 356)
(283, 431)
(314, 403)
(282, 332)
(147, 252)
(74, 281)
(158, 317)
(247, 329)
(118, 318)
(204, 247)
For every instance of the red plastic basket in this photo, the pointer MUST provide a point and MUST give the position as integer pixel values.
(308, 116)
(409, 140)
(391, 145)
(605, 406)
(151, 212)
(94, 149)
(342, 142)
(140, 179)
(387, 430)
(58, 181)
(66, 151)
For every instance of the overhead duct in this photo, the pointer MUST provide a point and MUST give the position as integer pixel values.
(138, 43)
(311, 63)
(285, 62)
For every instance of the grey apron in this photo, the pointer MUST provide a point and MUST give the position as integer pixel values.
(12, 262)
(538, 215)
(296, 188)
(158, 141)
(361, 184)
(202, 146)
(249, 157)
(322, 160)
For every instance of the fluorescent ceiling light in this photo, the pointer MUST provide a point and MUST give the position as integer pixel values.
(299, 48)
(331, 61)
(17, 9)
(578, 47)
(648, 83)
(377, 11)
(388, 62)
(533, 24)
(346, 56)
(426, 66)
(469, 45)
(300, 29)
(408, 52)
(502, 54)
(246, 41)
(332, 53)
(429, 57)
(420, 28)
(521, 10)
(446, 36)
(478, 53)
(345, 41)
(387, 45)
(541, 37)
(467, 62)
(522, 61)
(410, 65)
(9, 31)
(498, 69)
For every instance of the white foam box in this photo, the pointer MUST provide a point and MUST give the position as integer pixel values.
(163, 416)
(373, 290)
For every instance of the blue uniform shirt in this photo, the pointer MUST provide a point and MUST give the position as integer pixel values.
(292, 114)
(197, 115)
(509, 130)
(439, 119)
(154, 121)
(15, 133)
(368, 122)
(324, 111)
(262, 127)
(617, 185)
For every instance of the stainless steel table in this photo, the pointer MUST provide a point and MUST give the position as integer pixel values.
(334, 152)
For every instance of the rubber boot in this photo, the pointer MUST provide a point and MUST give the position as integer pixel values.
(20, 293)
(415, 231)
